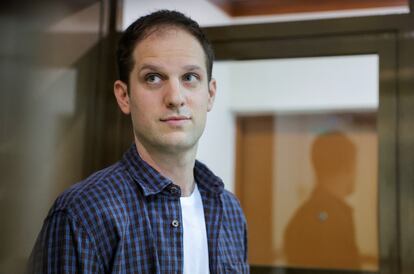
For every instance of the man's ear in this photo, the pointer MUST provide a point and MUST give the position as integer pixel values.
(122, 96)
(212, 93)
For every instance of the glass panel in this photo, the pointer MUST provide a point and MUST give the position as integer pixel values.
(306, 158)
(49, 76)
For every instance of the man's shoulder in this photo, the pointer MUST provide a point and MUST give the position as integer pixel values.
(101, 192)
(211, 183)
(231, 205)
(230, 198)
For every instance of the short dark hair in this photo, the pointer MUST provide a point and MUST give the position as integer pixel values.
(144, 26)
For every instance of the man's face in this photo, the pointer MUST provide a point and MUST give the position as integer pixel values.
(169, 93)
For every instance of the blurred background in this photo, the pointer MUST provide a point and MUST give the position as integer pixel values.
(312, 127)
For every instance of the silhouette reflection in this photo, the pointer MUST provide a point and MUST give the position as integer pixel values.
(321, 232)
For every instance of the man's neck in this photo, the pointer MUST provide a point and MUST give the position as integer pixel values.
(176, 166)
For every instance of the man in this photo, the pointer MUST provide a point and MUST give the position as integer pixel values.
(157, 210)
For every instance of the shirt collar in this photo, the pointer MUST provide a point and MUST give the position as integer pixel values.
(207, 181)
(152, 182)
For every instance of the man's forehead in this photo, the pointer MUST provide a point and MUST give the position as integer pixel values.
(169, 42)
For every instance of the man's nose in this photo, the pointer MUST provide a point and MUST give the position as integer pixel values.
(174, 96)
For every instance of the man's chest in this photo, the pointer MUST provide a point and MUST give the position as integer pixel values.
(152, 241)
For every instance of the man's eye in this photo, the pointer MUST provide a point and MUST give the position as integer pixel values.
(191, 77)
(153, 78)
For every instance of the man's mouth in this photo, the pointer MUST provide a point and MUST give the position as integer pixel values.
(176, 120)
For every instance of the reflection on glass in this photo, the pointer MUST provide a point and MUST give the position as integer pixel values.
(325, 191)
(308, 185)
(321, 231)
(307, 156)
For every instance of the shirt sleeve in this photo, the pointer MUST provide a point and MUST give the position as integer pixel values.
(63, 246)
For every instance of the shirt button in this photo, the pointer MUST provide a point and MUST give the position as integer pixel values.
(174, 190)
(175, 223)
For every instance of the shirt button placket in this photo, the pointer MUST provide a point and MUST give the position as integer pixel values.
(175, 223)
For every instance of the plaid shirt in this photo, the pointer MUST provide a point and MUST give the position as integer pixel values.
(127, 219)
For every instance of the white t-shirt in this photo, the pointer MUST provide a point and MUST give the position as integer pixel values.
(195, 234)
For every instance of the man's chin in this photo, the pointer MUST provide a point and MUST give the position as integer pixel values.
(172, 142)
(179, 146)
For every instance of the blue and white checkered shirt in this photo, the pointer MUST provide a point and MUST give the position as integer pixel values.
(127, 219)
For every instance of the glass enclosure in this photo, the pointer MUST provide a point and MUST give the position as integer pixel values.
(306, 158)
